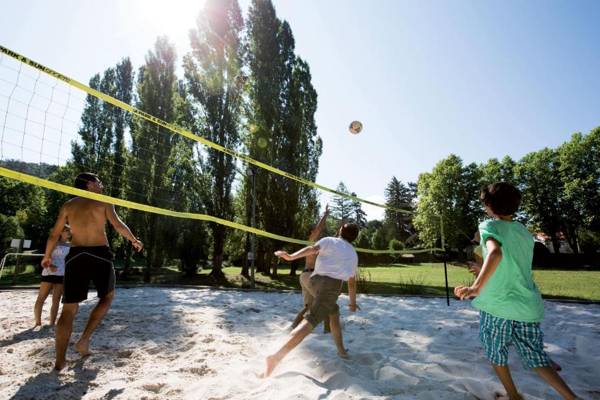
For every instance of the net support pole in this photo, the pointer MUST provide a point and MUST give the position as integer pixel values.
(445, 258)
(252, 172)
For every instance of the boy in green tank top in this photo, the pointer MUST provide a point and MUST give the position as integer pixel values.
(509, 302)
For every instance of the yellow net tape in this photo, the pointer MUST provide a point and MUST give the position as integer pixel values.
(183, 132)
(8, 173)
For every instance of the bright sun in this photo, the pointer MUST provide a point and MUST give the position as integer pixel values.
(172, 18)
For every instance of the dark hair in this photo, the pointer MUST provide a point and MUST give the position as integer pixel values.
(501, 197)
(82, 180)
(349, 232)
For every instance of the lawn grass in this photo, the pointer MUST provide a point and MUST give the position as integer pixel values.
(394, 279)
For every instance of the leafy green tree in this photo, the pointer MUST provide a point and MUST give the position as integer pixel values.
(538, 174)
(212, 72)
(342, 207)
(281, 129)
(121, 121)
(27, 204)
(65, 175)
(498, 171)
(379, 239)
(188, 188)
(10, 228)
(358, 216)
(364, 239)
(580, 197)
(188, 185)
(590, 235)
(93, 150)
(400, 196)
(151, 149)
(449, 193)
(396, 245)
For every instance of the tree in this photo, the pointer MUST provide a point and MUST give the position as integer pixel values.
(538, 175)
(358, 216)
(151, 149)
(93, 151)
(10, 228)
(212, 72)
(25, 204)
(342, 207)
(400, 196)
(187, 188)
(121, 120)
(281, 128)
(379, 239)
(101, 147)
(363, 240)
(498, 171)
(580, 178)
(449, 193)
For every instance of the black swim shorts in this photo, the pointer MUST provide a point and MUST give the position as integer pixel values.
(85, 264)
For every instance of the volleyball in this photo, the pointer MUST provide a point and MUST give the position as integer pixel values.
(355, 127)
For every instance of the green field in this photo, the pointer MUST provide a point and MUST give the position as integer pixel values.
(396, 279)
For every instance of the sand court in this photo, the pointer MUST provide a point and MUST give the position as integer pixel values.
(159, 343)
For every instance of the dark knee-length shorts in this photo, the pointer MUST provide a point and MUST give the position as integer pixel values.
(85, 264)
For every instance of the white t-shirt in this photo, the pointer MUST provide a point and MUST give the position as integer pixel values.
(58, 260)
(336, 259)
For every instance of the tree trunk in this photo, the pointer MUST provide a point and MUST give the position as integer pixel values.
(260, 259)
(218, 243)
(571, 236)
(245, 264)
(555, 243)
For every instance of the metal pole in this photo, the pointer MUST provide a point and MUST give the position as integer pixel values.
(445, 258)
(252, 224)
(3, 262)
(17, 263)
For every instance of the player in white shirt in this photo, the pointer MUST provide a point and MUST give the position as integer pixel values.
(337, 262)
(52, 278)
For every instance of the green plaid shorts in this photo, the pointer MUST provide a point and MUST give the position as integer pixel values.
(497, 334)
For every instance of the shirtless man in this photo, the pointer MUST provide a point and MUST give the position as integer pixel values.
(90, 258)
(308, 294)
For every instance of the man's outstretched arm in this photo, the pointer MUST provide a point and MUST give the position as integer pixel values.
(307, 251)
(120, 227)
(316, 233)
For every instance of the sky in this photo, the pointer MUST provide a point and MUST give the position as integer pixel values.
(479, 79)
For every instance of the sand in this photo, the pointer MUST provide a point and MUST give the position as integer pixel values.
(173, 343)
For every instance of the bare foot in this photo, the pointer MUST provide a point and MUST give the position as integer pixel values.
(59, 366)
(271, 363)
(83, 347)
(343, 354)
